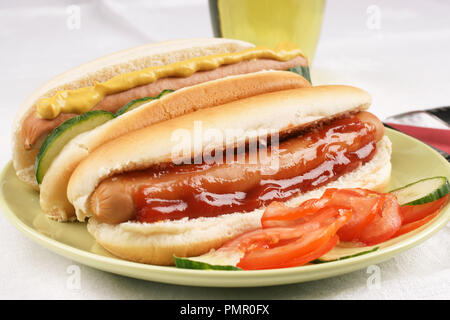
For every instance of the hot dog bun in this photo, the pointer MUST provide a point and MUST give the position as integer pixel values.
(103, 69)
(283, 111)
(156, 243)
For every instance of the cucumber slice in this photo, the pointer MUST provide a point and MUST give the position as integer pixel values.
(422, 191)
(341, 253)
(164, 92)
(301, 70)
(132, 105)
(65, 132)
(213, 260)
(138, 102)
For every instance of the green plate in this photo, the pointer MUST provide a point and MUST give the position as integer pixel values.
(412, 160)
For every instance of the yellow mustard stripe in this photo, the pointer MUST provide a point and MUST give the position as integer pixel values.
(84, 99)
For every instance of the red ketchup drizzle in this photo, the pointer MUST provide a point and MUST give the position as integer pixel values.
(196, 190)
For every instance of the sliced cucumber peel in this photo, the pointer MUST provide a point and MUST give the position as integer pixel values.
(62, 134)
(213, 260)
(342, 253)
(138, 102)
(301, 70)
(422, 191)
(186, 263)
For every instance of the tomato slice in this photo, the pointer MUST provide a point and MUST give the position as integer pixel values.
(278, 214)
(261, 238)
(313, 255)
(276, 254)
(416, 224)
(273, 235)
(364, 211)
(365, 204)
(385, 225)
(419, 212)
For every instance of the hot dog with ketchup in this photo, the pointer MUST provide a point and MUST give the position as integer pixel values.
(144, 207)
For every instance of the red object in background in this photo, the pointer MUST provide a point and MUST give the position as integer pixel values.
(438, 138)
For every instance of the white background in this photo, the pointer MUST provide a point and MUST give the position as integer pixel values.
(402, 59)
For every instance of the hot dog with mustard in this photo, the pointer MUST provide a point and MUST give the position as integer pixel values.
(94, 95)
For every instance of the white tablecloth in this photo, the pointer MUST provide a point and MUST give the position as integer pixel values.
(396, 50)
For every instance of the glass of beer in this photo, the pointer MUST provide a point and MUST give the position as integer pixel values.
(269, 22)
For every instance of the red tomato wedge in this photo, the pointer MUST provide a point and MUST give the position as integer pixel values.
(385, 225)
(416, 224)
(278, 214)
(420, 211)
(364, 208)
(313, 255)
(273, 235)
(365, 204)
(262, 238)
(279, 253)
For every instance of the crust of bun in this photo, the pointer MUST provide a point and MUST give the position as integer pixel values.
(53, 195)
(105, 68)
(281, 111)
(156, 243)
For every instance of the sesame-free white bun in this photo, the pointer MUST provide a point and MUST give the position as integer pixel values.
(157, 243)
(103, 69)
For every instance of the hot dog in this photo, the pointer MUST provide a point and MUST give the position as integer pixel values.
(144, 207)
(152, 195)
(111, 82)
